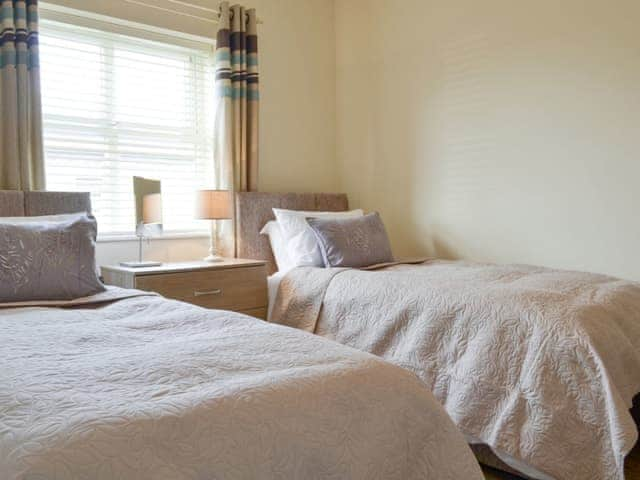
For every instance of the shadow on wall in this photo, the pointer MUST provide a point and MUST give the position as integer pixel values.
(440, 248)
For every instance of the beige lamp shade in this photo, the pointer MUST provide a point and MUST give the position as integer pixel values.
(214, 204)
(152, 208)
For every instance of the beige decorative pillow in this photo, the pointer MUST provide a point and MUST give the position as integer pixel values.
(48, 258)
(352, 242)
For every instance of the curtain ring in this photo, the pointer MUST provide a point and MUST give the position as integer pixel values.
(231, 15)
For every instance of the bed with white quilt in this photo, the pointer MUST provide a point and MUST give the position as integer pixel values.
(539, 365)
(129, 385)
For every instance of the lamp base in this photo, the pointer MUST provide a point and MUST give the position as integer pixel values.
(213, 258)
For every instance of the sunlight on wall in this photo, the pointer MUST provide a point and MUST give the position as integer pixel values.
(488, 131)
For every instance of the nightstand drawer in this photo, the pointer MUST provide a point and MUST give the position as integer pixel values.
(239, 289)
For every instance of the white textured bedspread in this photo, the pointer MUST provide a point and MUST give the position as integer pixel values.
(148, 388)
(540, 364)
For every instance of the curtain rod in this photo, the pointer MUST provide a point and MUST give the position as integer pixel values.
(184, 14)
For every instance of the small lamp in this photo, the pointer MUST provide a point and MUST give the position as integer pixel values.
(150, 216)
(214, 205)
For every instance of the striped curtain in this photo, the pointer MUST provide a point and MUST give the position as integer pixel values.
(21, 151)
(236, 120)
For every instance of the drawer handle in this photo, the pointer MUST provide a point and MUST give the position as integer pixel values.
(217, 291)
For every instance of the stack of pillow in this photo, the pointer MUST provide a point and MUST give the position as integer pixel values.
(327, 239)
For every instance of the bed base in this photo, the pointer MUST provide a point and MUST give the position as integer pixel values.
(487, 458)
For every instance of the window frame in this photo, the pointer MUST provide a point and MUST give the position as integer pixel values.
(113, 25)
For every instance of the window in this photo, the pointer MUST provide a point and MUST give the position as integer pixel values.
(115, 106)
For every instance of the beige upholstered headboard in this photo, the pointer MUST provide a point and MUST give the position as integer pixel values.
(30, 204)
(253, 211)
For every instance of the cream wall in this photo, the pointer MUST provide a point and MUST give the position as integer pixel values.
(495, 130)
(297, 109)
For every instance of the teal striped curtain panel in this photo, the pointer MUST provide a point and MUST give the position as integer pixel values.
(21, 151)
(238, 98)
(237, 94)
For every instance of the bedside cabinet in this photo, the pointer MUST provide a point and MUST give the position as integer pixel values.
(234, 284)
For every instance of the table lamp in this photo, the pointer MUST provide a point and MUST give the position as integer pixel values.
(214, 205)
(151, 217)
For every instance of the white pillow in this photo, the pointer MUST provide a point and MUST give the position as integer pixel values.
(278, 245)
(301, 243)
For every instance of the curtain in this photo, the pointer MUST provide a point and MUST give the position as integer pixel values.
(21, 150)
(237, 94)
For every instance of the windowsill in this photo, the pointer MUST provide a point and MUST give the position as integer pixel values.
(129, 237)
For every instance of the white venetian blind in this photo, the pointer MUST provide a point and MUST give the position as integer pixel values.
(116, 106)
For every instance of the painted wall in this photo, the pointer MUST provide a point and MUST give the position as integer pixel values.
(297, 110)
(495, 130)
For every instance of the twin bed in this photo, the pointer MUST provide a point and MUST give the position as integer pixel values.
(126, 384)
(537, 368)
